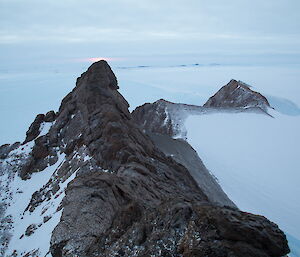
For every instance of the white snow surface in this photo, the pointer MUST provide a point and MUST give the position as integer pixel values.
(45, 127)
(256, 160)
(20, 192)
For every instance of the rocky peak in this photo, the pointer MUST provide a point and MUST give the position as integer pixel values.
(94, 115)
(99, 74)
(100, 186)
(237, 94)
(100, 119)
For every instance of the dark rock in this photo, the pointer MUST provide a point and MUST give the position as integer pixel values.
(30, 229)
(179, 228)
(154, 117)
(40, 157)
(237, 94)
(7, 148)
(40, 151)
(34, 129)
(50, 116)
(46, 218)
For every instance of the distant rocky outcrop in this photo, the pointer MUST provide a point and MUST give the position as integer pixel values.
(101, 186)
(167, 118)
(159, 117)
(237, 94)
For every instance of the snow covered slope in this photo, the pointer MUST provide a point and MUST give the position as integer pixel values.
(30, 208)
(256, 160)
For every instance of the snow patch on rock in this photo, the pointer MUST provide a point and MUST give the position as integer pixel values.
(45, 127)
(26, 230)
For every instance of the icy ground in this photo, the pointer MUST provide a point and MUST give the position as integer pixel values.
(255, 159)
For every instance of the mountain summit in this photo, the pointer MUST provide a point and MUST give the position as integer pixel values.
(88, 181)
(237, 94)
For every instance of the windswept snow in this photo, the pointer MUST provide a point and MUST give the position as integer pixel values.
(256, 160)
(44, 129)
(283, 105)
(43, 218)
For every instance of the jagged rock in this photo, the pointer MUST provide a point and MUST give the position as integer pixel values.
(40, 150)
(165, 118)
(34, 129)
(155, 117)
(30, 229)
(50, 116)
(123, 195)
(7, 148)
(179, 228)
(41, 156)
(237, 94)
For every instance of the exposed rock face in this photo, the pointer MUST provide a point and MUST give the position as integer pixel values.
(34, 129)
(7, 148)
(179, 228)
(165, 118)
(136, 170)
(122, 196)
(237, 94)
(155, 117)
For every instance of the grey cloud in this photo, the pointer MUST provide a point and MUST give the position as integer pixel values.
(256, 24)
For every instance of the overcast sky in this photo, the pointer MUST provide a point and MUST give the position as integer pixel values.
(44, 43)
(119, 27)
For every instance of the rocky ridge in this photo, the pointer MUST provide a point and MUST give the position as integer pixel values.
(101, 186)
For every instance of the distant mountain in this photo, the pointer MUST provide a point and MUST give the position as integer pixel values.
(237, 94)
(165, 117)
(90, 180)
